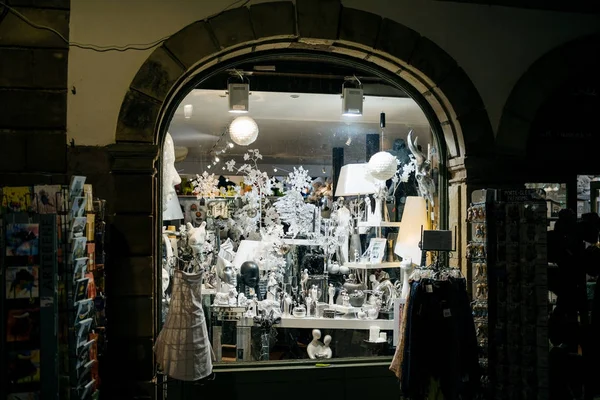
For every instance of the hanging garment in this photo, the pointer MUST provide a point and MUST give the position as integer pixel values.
(439, 341)
(182, 348)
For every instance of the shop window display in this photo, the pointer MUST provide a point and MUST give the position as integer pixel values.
(295, 265)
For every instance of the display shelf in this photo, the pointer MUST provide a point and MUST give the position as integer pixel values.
(302, 242)
(373, 266)
(335, 323)
(382, 224)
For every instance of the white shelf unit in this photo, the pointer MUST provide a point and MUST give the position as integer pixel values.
(302, 242)
(364, 266)
(335, 323)
(382, 224)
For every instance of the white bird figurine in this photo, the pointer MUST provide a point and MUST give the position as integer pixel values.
(196, 236)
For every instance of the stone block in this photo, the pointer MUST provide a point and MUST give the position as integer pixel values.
(359, 26)
(133, 276)
(477, 133)
(94, 163)
(134, 353)
(47, 152)
(15, 32)
(137, 118)
(396, 39)
(132, 316)
(29, 68)
(136, 158)
(233, 27)
(41, 109)
(433, 62)
(192, 43)
(132, 235)
(273, 19)
(513, 135)
(157, 75)
(139, 187)
(461, 93)
(13, 151)
(318, 19)
(60, 4)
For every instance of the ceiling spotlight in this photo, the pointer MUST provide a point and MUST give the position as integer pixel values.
(217, 159)
(187, 111)
(208, 166)
(230, 145)
(274, 169)
(243, 131)
(352, 98)
(223, 168)
(239, 94)
(324, 170)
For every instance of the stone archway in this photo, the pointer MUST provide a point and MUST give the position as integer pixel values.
(309, 25)
(573, 60)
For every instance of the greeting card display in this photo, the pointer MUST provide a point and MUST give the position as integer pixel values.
(78, 248)
(47, 199)
(78, 227)
(80, 268)
(83, 331)
(24, 366)
(23, 325)
(78, 207)
(76, 187)
(85, 310)
(81, 287)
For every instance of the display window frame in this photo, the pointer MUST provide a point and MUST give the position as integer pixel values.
(166, 115)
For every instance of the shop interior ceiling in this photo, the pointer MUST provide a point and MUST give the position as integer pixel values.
(295, 128)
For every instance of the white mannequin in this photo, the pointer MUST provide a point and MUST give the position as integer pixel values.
(326, 350)
(344, 217)
(169, 174)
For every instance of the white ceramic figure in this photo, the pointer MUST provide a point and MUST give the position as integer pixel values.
(241, 300)
(314, 293)
(233, 297)
(287, 305)
(373, 281)
(272, 287)
(196, 237)
(170, 176)
(304, 280)
(331, 293)
(309, 306)
(406, 266)
(314, 348)
(326, 350)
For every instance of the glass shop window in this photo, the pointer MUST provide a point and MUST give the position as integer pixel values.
(289, 199)
(556, 198)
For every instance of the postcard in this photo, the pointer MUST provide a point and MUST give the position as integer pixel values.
(78, 226)
(85, 310)
(16, 199)
(78, 248)
(84, 353)
(76, 187)
(81, 289)
(47, 199)
(83, 331)
(78, 207)
(23, 325)
(22, 239)
(80, 268)
(24, 366)
(22, 282)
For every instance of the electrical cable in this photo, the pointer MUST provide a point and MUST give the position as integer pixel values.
(104, 49)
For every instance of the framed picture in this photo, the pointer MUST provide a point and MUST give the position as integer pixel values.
(376, 250)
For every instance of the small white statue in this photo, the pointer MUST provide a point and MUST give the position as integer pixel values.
(331, 293)
(241, 300)
(325, 350)
(304, 280)
(345, 299)
(233, 297)
(314, 293)
(272, 287)
(309, 306)
(287, 305)
(373, 281)
(316, 349)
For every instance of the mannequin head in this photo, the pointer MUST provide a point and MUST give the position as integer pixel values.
(226, 272)
(316, 334)
(169, 174)
(250, 274)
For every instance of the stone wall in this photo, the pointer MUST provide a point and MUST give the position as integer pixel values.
(33, 93)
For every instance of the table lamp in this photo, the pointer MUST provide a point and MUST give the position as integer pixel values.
(414, 219)
(355, 180)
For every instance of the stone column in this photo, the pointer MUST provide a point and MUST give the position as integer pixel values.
(131, 277)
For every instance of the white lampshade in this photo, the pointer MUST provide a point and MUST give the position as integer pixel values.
(248, 250)
(173, 210)
(383, 165)
(414, 217)
(355, 180)
(243, 131)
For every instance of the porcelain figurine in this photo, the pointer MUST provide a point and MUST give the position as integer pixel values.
(314, 293)
(196, 237)
(345, 299)
(309, 306)
(304, 281)
(272, 287)
(314, 348)
(331, 293)
(241, 300)
(325, 350)
(233, 301)
(287, 305)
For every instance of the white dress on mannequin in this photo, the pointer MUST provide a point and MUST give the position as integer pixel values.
(182, 348)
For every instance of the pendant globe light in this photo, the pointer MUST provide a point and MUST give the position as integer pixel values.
(382, 165)
(243, 131)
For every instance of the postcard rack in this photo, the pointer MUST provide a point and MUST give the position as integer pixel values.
(28, 298)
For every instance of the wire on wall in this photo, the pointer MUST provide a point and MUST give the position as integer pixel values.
(104, 49)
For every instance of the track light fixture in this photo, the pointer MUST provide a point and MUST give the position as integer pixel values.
(239, 94)
(352, 98)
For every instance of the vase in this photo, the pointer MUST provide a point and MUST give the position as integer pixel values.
(354, 248)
